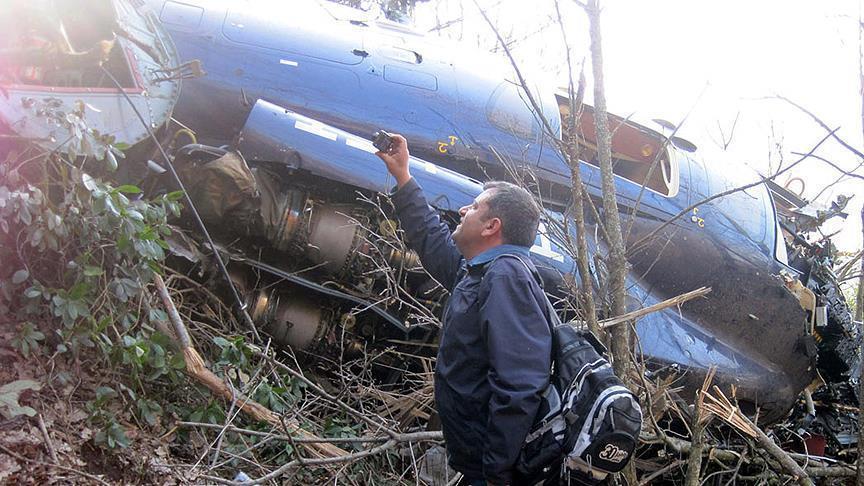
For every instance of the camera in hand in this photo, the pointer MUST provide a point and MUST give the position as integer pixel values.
(382, 141)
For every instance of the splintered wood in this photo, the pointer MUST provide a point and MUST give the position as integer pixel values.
(724, 409)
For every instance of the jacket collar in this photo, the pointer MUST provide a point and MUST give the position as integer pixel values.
(493, 253)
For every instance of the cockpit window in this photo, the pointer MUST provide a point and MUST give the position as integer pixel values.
(635, 150)
(508, 110)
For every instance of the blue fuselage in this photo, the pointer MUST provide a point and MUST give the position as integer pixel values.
(462, 112)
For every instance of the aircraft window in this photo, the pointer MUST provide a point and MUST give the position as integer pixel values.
(408, 77)
(347, 13)
(634, 150)
(51, 44)
(181, 14)
(508, 109)
(401, 54)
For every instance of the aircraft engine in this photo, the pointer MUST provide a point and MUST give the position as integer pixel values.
(276, 218)
(255, 204)
(334, 238)
(298, 321)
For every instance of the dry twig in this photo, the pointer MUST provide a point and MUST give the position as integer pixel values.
(48, 444)
(58, 466)
(694, 461)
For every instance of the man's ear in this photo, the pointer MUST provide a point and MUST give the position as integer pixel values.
(492, 226)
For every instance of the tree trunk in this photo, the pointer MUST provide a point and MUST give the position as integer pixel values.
(859, 298)
(571, 149)
(859, 301)
(858, 309)
(617, 263)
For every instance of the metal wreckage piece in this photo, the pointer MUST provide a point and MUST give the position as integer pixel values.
(829, 420)
(288, 184)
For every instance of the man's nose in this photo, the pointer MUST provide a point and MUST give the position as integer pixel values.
(463, 210)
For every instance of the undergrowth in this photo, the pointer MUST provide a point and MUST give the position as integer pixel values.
(77, 258)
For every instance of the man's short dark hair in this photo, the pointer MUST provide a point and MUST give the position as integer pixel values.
(515, 207)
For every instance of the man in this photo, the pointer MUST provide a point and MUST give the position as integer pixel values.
(494, 353)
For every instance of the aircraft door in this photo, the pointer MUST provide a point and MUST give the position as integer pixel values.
(284, 56)
(409, 87)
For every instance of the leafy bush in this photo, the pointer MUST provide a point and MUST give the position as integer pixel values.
(76, 255)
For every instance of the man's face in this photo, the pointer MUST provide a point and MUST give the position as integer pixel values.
(469, 233)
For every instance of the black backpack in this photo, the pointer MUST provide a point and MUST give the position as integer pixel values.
(588, 420)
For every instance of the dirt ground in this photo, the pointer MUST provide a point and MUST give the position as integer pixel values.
(56, 445)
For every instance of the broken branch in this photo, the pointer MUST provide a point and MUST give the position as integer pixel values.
(674, 301)
(428, 436)
(196, 368)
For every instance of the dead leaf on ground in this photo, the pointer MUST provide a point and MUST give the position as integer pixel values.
(8, 467)
(10, 393)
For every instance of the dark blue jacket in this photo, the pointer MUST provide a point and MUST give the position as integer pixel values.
(494, 353)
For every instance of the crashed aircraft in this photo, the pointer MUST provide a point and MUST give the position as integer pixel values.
(278, 101)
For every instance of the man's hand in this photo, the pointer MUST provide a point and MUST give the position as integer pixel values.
(397, 159)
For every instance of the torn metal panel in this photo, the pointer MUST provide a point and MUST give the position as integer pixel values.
(77, 107)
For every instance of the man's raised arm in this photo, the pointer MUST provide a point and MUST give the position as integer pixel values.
(424, 231)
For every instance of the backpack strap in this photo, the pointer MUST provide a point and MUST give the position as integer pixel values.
(554, 320)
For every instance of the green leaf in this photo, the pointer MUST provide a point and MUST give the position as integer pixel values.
(158, 315)
(28, 338)
(89, 182)
(79, 290)
(20, 276)
(24, 216)
(129, 189)
(149, 410)
(175, 196)
(221, 342)
(111, 161)
(105, 392)
(32, 293)
(36, 236)
(91, 271)
(178, 362)
(135, 215)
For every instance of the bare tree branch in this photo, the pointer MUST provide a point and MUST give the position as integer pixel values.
(849, 173)
(823, 125)
(196, 368)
